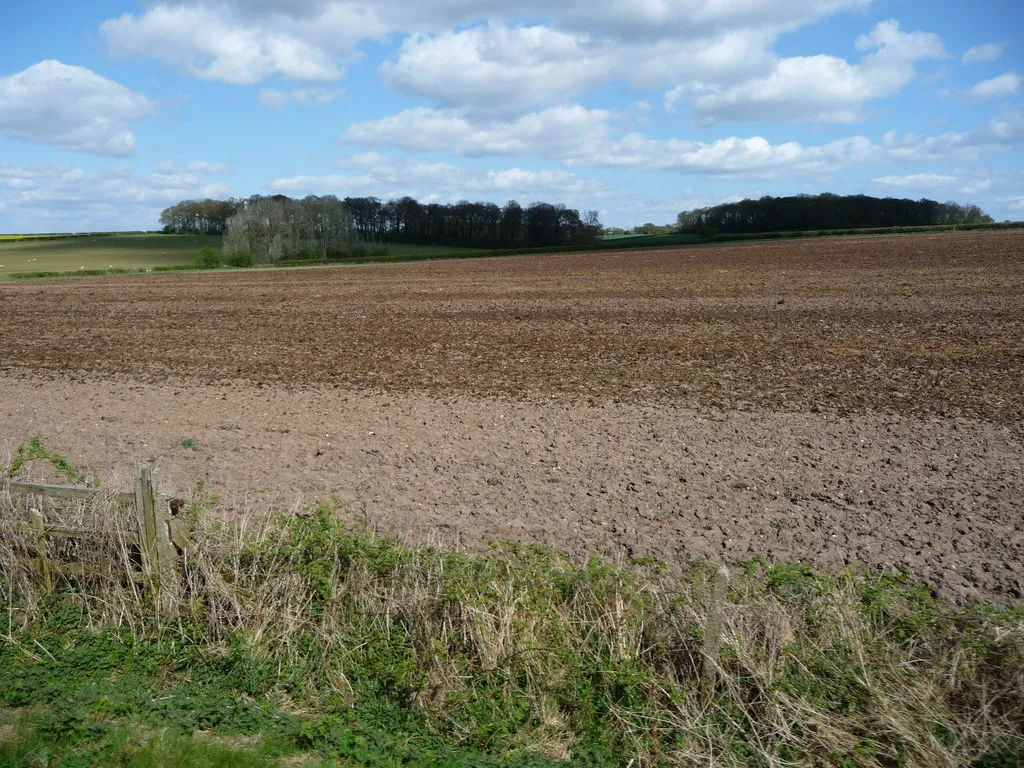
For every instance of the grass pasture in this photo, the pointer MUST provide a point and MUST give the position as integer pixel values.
(99, 252)
(414, 251)
(27, 255)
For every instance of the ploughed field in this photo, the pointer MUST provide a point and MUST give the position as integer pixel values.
(846, 401)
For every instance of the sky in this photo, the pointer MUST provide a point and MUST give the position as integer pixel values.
(111, 110)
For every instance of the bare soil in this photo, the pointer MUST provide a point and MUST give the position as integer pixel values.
(846, 401)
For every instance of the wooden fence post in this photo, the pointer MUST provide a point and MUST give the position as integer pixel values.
(155, 537)
(167, 555)
(713, 630)
(145, 505)
(44, 559)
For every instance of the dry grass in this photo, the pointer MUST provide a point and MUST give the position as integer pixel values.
(523, 650)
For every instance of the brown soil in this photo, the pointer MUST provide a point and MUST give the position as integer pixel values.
(835, 401)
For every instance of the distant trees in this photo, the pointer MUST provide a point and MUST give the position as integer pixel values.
(201, 217)
(265, 226)
(472, 224)
(271, 228)
(827, 211)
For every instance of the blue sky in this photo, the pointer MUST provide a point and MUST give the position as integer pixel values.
(113, 109)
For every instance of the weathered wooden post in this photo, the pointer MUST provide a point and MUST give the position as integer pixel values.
(44, 560)
(155, 536)
(713, 630)
(145, 504)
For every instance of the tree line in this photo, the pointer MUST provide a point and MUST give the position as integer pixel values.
(466, 224)
(268, 229)
(826, 211)
(462, 224)
(200, 217)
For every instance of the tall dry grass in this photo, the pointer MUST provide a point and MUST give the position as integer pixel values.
(521, 649)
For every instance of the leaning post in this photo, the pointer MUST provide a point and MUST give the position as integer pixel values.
(167, 557)
(145, 511)
(713, 630)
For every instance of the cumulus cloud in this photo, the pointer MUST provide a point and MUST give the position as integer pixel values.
(71, 108)
(77, 200)
(222, 43)
(971, 182)
(377, 174)
(202, 166)
(985, 52)
(499, 68)
(822, 88)
(505, 69)
(551, 133)
(302, 97)
(532, 53)
(917, 181)
(1007, 84)
(580, 137)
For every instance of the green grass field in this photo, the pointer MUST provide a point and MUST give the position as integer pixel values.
(100, 252)
(18, 254)
(410, 250)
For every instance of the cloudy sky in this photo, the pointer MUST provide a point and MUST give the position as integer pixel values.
(111, 110)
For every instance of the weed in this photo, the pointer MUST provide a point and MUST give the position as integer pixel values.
(35, 451)
(240, 259)
(209, 258)
(303, 635)
(190, 443)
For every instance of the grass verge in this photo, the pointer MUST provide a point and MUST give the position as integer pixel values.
(302, 639)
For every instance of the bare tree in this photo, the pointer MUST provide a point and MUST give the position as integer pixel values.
(271, 228)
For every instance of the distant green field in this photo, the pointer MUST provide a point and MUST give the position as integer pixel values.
(403, 250)
(604, 238)
(99, 252)
(71, 253)
(635, 241)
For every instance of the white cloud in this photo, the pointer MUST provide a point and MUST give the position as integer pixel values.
(380, 175)
(202, 166)
(985, 52)
(505, 69)
(673, 97)
(71, 108)
(1014, 203)
(78, 200)
(302, 97)
(579, 137)
(558, 49)
(218, 43)
(822, 88)
(1008, 128)
(1007, 84)
(553, 132)
(731, 157)
(977, 187)
(917, 181)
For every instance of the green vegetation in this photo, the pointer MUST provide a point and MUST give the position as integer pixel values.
(828, 211)
(98, 254)
(304, 638)
(36, 451)
(190, 443)
(242, 259)
(208, 258)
